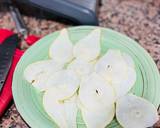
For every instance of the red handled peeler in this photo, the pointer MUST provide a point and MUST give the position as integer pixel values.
(6, 92)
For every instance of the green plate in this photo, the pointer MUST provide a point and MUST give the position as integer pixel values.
(29, 101)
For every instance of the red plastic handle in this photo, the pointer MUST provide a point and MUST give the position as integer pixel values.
(4, 34)
(31, 39)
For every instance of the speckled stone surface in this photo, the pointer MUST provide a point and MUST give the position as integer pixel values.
(139, 19)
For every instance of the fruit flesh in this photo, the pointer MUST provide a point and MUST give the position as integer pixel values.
(97, 118)
(61, 49)
(63, 113)
(38, 72)
(82, 68)
(112, 67)
(135, 112)
(117, 70)
(88, 48)
(94, 92)
(64, 80)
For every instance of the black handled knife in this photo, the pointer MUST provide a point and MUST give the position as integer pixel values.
(7, 49)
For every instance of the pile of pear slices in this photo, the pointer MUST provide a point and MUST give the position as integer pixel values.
(78, 77)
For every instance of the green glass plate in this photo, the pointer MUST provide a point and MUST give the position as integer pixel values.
(29, 101)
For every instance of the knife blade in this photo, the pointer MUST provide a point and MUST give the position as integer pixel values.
(7, 49)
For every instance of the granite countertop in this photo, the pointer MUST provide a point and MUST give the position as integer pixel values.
(139, 19)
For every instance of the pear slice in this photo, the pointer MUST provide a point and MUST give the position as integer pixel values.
(128, 59)
(63, 113)
(135, 112)
(94, 92)
(81, 67)
(98, 118)
(125, 86)
(61, 50)
(66, 80)
(71, 110)
(88, 48)
(112, 67)
(38, 72)
(117, 70)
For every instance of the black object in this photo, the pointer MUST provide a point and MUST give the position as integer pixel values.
(80, 11)
(7, 49)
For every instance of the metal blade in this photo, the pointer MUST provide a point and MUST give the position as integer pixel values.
(7, 49)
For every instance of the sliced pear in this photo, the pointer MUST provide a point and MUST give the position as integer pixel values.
(94, 92)
(82, 68)
(98, 118)
(63, 113)
(71, 110)
(112, 67)
(61, 49)
(125, 86)
(128, 59)
(88, 48)
(37, 73)
(135, 112)
(65, 80)
(117, 70)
